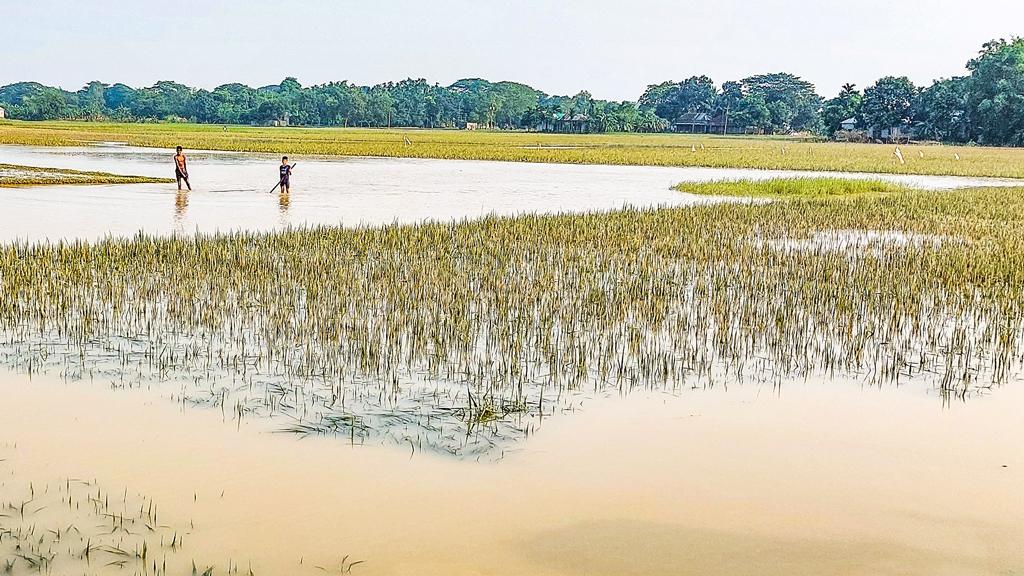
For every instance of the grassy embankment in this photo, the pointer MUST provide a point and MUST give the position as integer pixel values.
(627, 149)
(12, 175)
(794, 188)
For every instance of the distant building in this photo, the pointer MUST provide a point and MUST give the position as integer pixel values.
(565, 123)
(3, 113)
(573, 123)
(472, 126)
(723, 124)
(282, 122)
(704, 123)
(901, 133)
(693, 123)
(849, 124)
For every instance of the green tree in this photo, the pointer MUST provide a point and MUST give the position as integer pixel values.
(290, 86)
(730, 96)
(839, 109)
(514, 101)
(15, 94)
(696, 94)
(203, 107)
(272, 109)
(941, 110)
(164, 99)
(669, 101)
(657, 96)
(791, 102)
(92, 100)
(46, 104)
(996, 93)
(235, 103)
(752, 111)
(119, 97)
(889, 103)
(409, 97)
(380, 106)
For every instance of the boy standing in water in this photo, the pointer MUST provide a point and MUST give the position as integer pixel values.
(286, 173)
(181, 169)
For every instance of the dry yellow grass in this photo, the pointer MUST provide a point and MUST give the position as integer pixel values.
(632, 149)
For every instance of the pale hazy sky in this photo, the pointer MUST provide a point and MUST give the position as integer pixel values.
(612, 48)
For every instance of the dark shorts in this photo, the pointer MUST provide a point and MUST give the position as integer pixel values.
(179, 176)
(285, 183)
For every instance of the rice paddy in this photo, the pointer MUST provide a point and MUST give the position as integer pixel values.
(789, 188)
(461, 338)
(504, 351)
(12, 175)
(571, 354)
(75, 526)
(620, 149)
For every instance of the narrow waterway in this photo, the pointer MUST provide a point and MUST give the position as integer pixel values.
(231, 191)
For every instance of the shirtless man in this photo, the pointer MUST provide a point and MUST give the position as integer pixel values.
(181, 169)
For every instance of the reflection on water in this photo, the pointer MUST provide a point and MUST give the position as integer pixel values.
(180, 208)
(284, 201)
(230, 191)
(824, 478)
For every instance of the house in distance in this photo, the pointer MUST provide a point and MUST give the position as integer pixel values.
(706, 123)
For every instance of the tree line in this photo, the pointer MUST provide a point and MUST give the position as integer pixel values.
(409, 103)
(985, 107)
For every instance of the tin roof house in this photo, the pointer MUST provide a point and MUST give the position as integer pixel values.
(693, 123)
(705, 123)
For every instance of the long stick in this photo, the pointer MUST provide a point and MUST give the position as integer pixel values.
(292, 167)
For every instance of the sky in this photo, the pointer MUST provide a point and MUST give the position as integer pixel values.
(612, 48)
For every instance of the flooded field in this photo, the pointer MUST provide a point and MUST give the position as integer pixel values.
(231, 191)
(686, 386)
(822, 477)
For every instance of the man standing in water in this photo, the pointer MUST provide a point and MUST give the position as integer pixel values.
(181, 169)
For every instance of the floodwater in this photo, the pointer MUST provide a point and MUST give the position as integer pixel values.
(231, 191)
(823, 477)
(812, 477)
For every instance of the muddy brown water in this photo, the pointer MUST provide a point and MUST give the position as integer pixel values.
(818, 478)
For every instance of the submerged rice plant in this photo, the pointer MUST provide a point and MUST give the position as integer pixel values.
(633, 149)
(12, 175)
(460, 337)
(76, 526)
(793, 188)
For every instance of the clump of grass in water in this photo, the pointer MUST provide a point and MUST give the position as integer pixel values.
(75, 526)
(396, 328)
(790, 188)
(13, 175)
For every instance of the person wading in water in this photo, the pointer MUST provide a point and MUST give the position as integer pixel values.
(286, 174)
(181, 169)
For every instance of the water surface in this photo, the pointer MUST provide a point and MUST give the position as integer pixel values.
(813, 477)
(822, 478)
(231, 191)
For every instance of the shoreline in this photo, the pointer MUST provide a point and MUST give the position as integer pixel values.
(612, 149)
